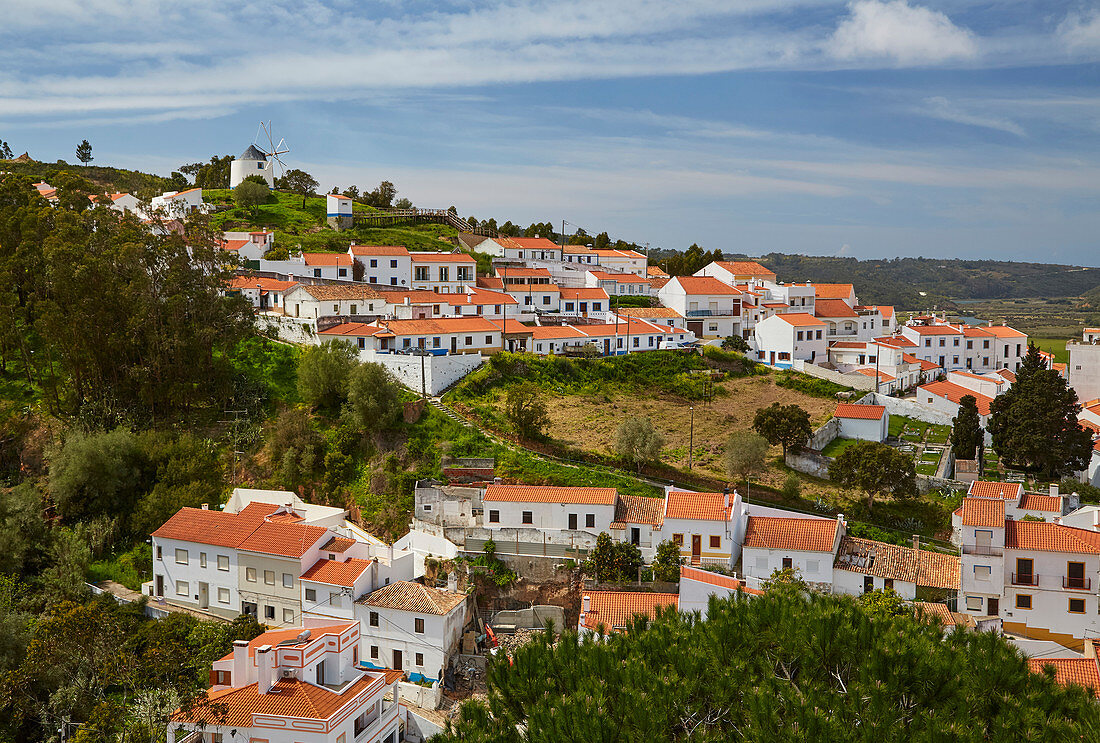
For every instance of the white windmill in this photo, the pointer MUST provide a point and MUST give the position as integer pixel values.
(257, 160)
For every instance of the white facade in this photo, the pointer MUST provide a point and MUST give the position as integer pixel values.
(442, 272)
(1084, 367)
(317, 301)
(177, 204)
(779, 339)
(386, 265)
(196, 575)
(711, 308)
(251, 162)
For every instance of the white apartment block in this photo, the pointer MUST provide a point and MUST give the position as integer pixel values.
(976, 348)
(384, 265)
(442, 272)
(711, 308)
(780, 339)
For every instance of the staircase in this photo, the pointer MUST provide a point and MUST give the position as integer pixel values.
(436, 403)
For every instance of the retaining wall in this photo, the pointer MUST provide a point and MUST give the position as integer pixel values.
(421, 696)
(290, 329)
(908, 408)
(822, 436)
(856, 381)
(430, 374)
(809, 462)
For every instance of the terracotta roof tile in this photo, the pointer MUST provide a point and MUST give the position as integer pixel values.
(705, 285)
(215, 528)
(932, 612)
(745, 268)
(540, 243)
(716, 579)
(338, 544)
(873, 374)
(637, 509)
(955, 393)
(583, 293)
(441, 257)
(921, 567)
(833, 308)
(615, 609)
(621, 278)
(860, 412)
(985, 512)
(336, 573)
(1038, 502)
(326, 259)
(370, 250)
(326, 292)
(683, 504)
(550, 494)
(833, 291)
(1044, 536)
(781, 532)
(265, 284)
(408, 596)
(655, 271)
(800, 319)
(286, 540)
(663, 312)
(987, 489)
(1080, 671)
(274, 637)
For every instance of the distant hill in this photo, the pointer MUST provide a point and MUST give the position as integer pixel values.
(142, 185)
(901, 281)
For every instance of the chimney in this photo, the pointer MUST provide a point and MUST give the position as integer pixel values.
(240, 663)
(206, 506)
(916, 541)
(1090, 649)
(726, 495)
(1054, 489)
(586, 604)
(265, 662)
(452, 582)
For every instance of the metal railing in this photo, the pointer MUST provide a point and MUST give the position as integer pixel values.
(1025, 579)
(1077, 584)
(982, 549)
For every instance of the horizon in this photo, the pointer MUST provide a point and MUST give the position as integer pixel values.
(866, 129)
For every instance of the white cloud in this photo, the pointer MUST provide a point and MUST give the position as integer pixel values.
(1081, 32)
(910, 35)
(939, 107)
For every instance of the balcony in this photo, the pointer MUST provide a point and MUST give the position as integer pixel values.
(982, 549)
(707, 313)
(1025, 579)
(1076, 584)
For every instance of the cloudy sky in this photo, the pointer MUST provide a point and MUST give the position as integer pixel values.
(870, 128)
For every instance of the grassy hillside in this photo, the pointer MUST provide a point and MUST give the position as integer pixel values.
(143, 185)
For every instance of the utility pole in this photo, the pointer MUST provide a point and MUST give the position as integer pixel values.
(691, 437)
(423, 374)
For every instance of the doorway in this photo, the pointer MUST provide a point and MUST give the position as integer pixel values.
(635, 536)
(994, 607)
(204, 595)
(696, 548)
(397, 663)
(160, 585)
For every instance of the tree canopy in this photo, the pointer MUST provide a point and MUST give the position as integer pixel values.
(966, 431)
(875, 469)
(638, 442)
(1034, 424)
(785, 666)
(746, 454)
(783, 425)
(526, 410)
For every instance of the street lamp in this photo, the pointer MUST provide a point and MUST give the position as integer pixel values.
(691, 436)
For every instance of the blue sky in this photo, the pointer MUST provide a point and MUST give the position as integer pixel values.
(871, 128)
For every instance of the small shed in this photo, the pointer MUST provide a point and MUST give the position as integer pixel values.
(863, 422)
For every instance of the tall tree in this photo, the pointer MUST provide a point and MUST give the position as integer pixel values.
(526, 410)
(875, 469)
(250, 194)
(746, 454)
(1034, 424)
(966, 432)
(5, 151)
(84, 152)
(323, 373)
(299, 182)
(667, 561)
(783, 425)
(638, 442)
(374, 398)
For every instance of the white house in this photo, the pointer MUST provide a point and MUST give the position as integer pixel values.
(804, 544)
(178, 204)
(863, 422)
(527, 249)
(697, 586)
(389, 265)
(411, 627)
(251, 162)
(737, 272)
(549, 508)
(711, 308)
(314, 301)
(617, 283)
(864, 565)
(289, 685)
(582, 301)
(614, 611)
(1084, 365)
(945, 397)
(442, 272)
(780, 339)
(120, 202)
(248, 245)
(338, 210)
(437, 336)
(266, 295)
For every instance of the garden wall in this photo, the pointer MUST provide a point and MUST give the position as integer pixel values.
(907, 408)
(809, 463)
(822, 436)
(432, 374)
(856, 381)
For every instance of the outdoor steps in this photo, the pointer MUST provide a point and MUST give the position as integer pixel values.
(438, 405)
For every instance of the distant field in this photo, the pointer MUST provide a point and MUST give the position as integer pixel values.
(1057, 346)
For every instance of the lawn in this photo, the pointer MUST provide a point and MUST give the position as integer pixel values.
(837, 446)
(927, 469)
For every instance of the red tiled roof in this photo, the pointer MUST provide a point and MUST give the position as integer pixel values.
(881, 375)
(550, 494)
(1080, 671)
(441, 258)
(489, 282)
(657, 282)
(408, 596)
(921, 567)
(1007, 374)
(859, 412)
(539, 243)
(287, 540)
(368, 250)
(273, 637)
(833, 291)
(338, 544)
(339, 196)
(1039, 502)
(649, 312)
(1045, 536)
(615, 609)
(745, 268)
(800, 319)
(638, 509)
(955, 393)
(924, 365)
(987, 489)
(833, 308)
(1003, 331)
(621, 278)
(706, 285)
(848, 344)
(326, 259)
(934, 613)
(265, 284)
(583, 293)
(519, 272)
(655, 271)
(781, 532)
(684, 504)
(336, 573)
(215, 528)
(935, 329)
(716, 579)
(554, 332)
(983, 512)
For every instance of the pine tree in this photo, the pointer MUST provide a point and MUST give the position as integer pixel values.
(966, 434)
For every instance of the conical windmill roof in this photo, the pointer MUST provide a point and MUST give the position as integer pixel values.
(252, 154)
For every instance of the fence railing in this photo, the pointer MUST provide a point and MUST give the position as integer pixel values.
(1079, 584)
(982, 549)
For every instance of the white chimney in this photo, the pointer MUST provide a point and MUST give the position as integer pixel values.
(265, 660)
(586, 604)
(916, 541)
(452, 582)
(240, 663)
(206, 506)
(1054, 489)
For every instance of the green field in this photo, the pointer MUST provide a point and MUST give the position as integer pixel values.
(1057, 346)
(835, 447)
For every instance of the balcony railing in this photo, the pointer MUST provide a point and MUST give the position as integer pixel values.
(1025, 579)
(1078, 584)
(982, 549)
(707, 313)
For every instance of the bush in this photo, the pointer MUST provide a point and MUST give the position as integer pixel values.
(374, 398)
(323, 374)
(792, 487)
(810, 385)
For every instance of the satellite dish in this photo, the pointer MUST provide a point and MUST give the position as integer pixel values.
(273, 150)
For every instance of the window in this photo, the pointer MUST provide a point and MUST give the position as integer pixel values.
(818, 335)
(182, 588)
(336, 309)
(596, 306)
(223, 595)
(418, 625)
(678, 540)
(420, 659)
(421, 273)
(469, 340)
(888, 583)
(288, 580)
(250, 575)
(1023, 601)
(1076, 606)
(160, 556)
(343, 272)
(443, 273)
(494, 517)
(973, 603)
(927, 342)
(715, 542)
(868, 583)
(799, 334)
(374, 263)
(374, 619)
(288, 616)
(568, 306)
(528, 517)
(787, 563)
(590, 520)
(393, 263)
(202, 559)
(269, 612)
(181, 557)
(982, 572)
(269, 577)
(488, 340)
(943, 342)
(354, 307)
(316, 273)
(311, 594)
(374, 651)
(223, 562)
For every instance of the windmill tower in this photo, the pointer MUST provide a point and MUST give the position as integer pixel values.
(257, 160)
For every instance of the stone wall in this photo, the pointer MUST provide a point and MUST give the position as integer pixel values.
(809, 462)
(430, 374)
(822, 436)
(856, 381)
(907, 408)
(290, 329)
